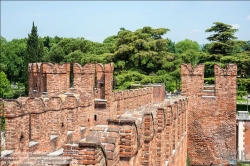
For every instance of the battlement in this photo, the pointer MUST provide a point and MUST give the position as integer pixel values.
(50, 78)
(48, 68)
(230, 70)
(54, 79)
(55, 114)
(211, 114)
(187, 69)
(88, 68)
(90, 124)
(150, 135)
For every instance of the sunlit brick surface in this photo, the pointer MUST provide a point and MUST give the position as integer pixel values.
(211, 116)
(89, 124)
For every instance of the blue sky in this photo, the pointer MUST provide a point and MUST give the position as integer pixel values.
(96, 20)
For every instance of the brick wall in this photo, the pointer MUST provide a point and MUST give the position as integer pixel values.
(86, 153)
(47, 123)
(211, 115)
(64, 117)
(139, 137)
(47, 77)
(158, 93)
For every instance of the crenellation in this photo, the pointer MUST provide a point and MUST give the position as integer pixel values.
(211, 114)
(97, 126)
(44, 76)
(12, 108)
(55, 103)
(229, 70)
(188, 69)
(100, 81)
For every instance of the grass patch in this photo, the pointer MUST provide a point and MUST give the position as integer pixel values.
(240, 99)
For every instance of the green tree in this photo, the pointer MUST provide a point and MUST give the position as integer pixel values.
(185, 45)
(32, 46)
(3, 58)
(40, 50)
(109, 43)
(191, 56)
(223, 40)
(188, 50)
(170, 46)
(47, 42)
(56, 54)
(32, 54)
(142, 56)
(14, 53)
(247, 47)
(5, 88)
(141, 49)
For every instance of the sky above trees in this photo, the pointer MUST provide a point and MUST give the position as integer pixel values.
(99, 19)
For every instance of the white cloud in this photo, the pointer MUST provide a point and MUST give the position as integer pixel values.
(196, 30)
(248, 18)
(235, 26)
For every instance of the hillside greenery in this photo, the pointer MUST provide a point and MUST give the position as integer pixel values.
(140, 56)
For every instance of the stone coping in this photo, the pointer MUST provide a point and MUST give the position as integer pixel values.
(69, 132)
(211, 97)
(53, 137)
(100, 100)
(56, 153)
(33, 143)
(6, 153)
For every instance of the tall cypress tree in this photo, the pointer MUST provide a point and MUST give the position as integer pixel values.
(32, 45)
(31, 54)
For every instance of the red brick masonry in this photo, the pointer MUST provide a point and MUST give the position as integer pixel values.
(93, 124)
(211, 117)
(89, 124)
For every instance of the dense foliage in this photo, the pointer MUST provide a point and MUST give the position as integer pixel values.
(142, 56)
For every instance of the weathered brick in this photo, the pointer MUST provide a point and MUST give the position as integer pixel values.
(68, 117)
(109, 155)
(110, 147)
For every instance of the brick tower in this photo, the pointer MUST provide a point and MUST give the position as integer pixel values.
(211, 114)
(48, 78)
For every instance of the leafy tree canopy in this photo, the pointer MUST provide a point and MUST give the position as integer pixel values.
(185, 45)
(140, 56)
(223, 40)
(5, 88)
(141, 49)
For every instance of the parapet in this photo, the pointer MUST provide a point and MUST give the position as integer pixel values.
(49, 68)
(34, 67)
(99, 67)
(231, 69)
(109, 68)
(187, 69)
(23, 106)
(87, 68)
